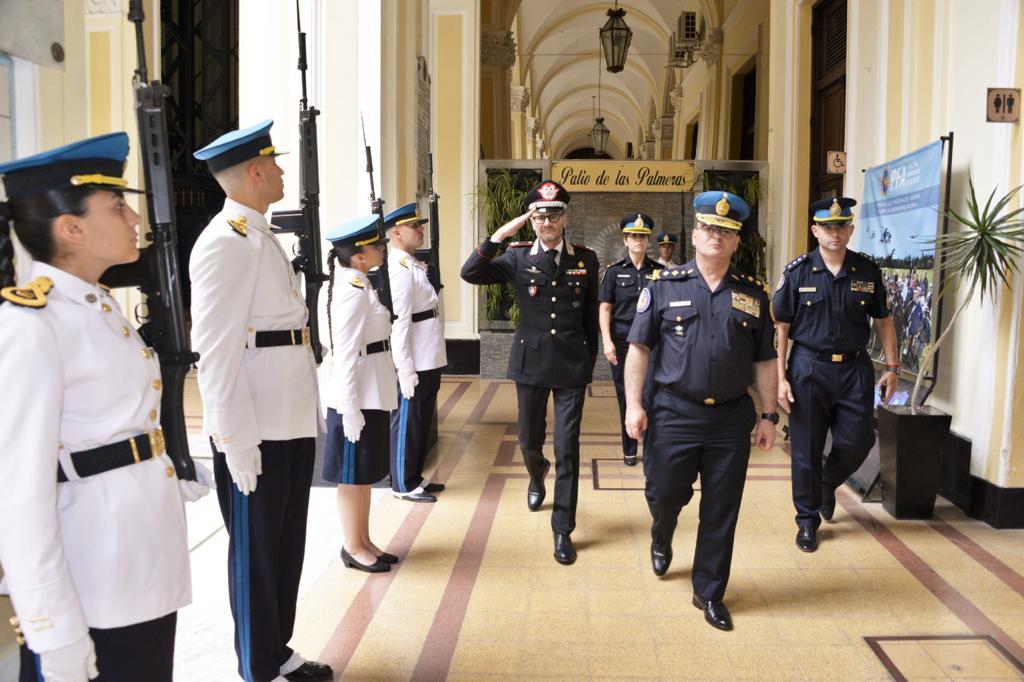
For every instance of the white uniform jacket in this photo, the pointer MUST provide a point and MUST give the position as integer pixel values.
(416, 346)
(243, 282)
(358, 318)
(105, 551)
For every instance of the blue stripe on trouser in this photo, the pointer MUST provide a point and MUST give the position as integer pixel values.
(240, 519)
(403, 428)
(346, 462)
(39, 668)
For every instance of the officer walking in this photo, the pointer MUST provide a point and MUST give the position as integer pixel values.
(623, 282)
(555, 346)
(667, 249)
(257, 378)
(713, 333)
(825, 302)
(417, 345)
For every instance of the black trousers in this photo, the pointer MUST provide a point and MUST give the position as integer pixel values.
(533, 408)
(143, 651)
(836, 397)
(629, 445)
(267, 531)
(685, 439)
(410, 426)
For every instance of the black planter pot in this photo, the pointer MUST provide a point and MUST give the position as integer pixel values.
(910, 452)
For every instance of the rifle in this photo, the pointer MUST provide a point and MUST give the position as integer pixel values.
(434, 273)
(156, 271)
(305, 222)
(383, 285)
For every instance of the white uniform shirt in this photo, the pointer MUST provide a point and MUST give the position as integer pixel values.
(358, 318)
(416, 346)
(666, 263)
(242, 284)
(105, 551)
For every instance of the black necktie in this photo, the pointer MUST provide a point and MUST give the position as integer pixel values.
(552, 255)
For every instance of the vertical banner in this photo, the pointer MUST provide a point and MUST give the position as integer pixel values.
(898, 226)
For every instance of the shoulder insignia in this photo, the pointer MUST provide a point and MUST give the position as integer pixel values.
(104, 287)
(656, 275)
(868, 258)
(677, 273)
(32, 295)
(581, 246)
(520, 244)
(796, 262)
(357, 283)
(239, 225)
(404, 260)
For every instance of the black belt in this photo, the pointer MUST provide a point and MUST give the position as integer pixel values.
(425, 315)
(283, 337)
(706, 401)
(377, 347)
(116, 455)
(829, 355)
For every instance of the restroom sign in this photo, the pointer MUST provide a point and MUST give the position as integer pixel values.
(1003, 105)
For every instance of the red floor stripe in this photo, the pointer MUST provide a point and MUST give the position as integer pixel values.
(972, 549)
(449, 404)
(485, 402)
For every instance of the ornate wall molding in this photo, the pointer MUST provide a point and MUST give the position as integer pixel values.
(497, 48)
(520, 95)
(102, 6)
(532, 124)
(711, 46)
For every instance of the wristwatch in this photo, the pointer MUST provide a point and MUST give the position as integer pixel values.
(773, 417)
(895, 369)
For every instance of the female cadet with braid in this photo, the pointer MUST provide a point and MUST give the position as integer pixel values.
(362, 390)
(93, 541)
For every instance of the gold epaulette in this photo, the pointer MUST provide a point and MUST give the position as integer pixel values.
(239, 225)
(677, 272)
(404, 260)
(357, 282)
(32, 295)
(796, 262)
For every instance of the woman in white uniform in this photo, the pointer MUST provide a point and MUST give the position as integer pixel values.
(92, 542)
(362, 390)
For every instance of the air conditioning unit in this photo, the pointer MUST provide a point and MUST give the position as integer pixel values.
(686, 29)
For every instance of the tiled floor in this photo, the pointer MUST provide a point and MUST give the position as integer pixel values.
(478, 596)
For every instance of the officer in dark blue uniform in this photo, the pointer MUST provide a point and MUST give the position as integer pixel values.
(711, 329)
(555, 345)
(825, 302)
(623, 282)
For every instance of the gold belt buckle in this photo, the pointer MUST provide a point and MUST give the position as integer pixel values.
(291, 332)
(305, 336)
(709, 401)
(837, 357)
(156, 442)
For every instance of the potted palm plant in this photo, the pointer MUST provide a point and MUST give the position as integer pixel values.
(976, 260)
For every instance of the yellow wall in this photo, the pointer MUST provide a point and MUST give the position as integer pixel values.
(448, 165)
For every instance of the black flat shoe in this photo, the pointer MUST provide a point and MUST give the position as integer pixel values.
(715, 612)
(416, 497)
(536, 492)
(565, 552)
(310, 671)
(828, 503)
(388, 558)
(629, 460)
(807, 539)
(379, 566)
(433, 488)
(661, 559)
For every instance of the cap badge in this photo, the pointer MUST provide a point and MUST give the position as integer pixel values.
(835, 210)
(548, 190)
(722, 207)
(639, 221)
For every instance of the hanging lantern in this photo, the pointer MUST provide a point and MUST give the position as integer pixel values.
(599, 136)
(615, 39)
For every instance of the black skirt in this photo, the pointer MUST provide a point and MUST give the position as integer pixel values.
(361, 463)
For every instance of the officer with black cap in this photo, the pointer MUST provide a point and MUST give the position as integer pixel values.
(712, 330)
(555, 345)
(824, 303)
(261, 410)
(623, 282)
(667, 244)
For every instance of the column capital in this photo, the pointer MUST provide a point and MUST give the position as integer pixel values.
(532, 124)
(102, 6)
(711, 46)
(497, 48)
(520, 97)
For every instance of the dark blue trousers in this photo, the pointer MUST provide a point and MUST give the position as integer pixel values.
(836, 397)
(267, 531)
(685, 439)
(410, 426)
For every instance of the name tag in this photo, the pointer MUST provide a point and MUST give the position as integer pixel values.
(746, 304)
(625, 276)
(678, 304)
(808, 290)
(862, 287)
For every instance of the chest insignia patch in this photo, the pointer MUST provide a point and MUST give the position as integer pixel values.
(533, 291)
(576, 272)
(746, 304)
(808, 290)
(862, 287)
(644, 302)
(532, 270)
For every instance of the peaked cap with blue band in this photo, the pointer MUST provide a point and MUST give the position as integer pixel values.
(666, 238)
(834, 210)
(237, 146)
(636, 223)
(357, 232)
(407, 215)
(94, 162)
(721, 209)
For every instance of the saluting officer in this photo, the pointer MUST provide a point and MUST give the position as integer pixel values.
(667, 249)
(93, 542)
(623, 282)
(417, 345)
(257, 378)
(712, 329)
(555, 346)
(824, 302)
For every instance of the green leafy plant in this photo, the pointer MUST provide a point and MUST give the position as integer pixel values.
(750, 257)
(978, 259)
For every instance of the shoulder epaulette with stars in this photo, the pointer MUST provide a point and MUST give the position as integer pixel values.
(32, 295)
(752, 281)
(678, 273)
(239, 225)
(867, 257)
(520, 244)
(356, 282)
(797, 261)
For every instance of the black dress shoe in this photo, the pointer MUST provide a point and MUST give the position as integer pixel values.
(536, 492)
(828, 503)
(661, 558)
(433, 488)
(715, 613)
(629, 460)
(416, 497)
(807, 539)
(565, 553)
(388, 558)
(378, 566)
(310, 671)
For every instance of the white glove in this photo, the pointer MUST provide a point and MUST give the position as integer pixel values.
(352, 423)
(192, 491)
(245, 466)
(407, 384)
(75, 662)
